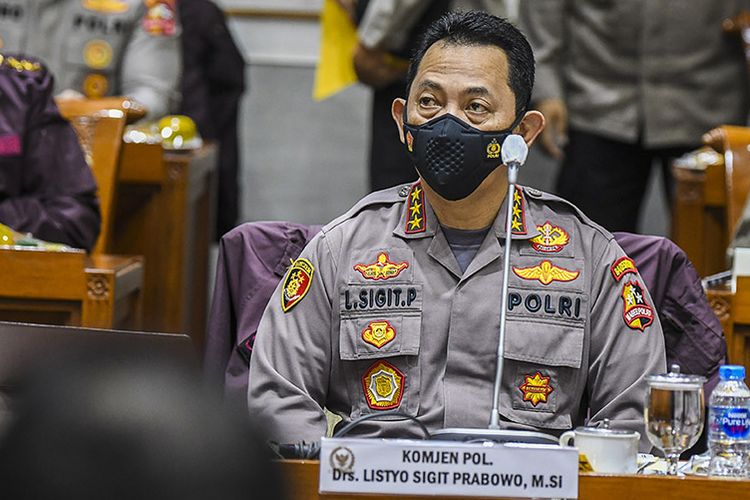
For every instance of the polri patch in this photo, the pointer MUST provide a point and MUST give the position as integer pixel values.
(545, 273)
(416, 222)
(383, 384)
(296, 284)
(518, 221)
(382, 269)
(637, 313)
(493, 149)
(551, 239)
(621, 267)
(161, 18)
(379, 333)
(536, 388)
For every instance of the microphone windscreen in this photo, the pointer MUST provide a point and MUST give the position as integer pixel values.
(514, 150)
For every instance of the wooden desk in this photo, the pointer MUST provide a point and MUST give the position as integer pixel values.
(301, 479)
(164, 212)
(71, 288)
(733, 311)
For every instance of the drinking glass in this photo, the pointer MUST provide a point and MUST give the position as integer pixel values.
(674, 413)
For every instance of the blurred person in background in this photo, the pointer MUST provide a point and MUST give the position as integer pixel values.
(46, 187)
(387, 33)
(98, 48)
(126, 429)
(623, 84)
(213, 81)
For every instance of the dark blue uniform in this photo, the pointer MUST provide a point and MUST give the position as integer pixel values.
(46, 187)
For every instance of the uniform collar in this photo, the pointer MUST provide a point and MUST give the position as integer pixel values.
(419, 221)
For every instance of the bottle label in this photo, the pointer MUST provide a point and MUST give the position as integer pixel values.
(734, 422)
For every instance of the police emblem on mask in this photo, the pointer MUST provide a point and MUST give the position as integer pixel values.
(296, 284)
(378, 333)
(493, 149)
(637, 314)
(383, 385)
(621, 267)
(545, 273)
(536, 388)
(551, 238)
(381, 269)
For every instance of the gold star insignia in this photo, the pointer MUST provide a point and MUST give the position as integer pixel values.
(516, 196)
(415, 209)
(415, 193)
(516, 225)
(415, 222)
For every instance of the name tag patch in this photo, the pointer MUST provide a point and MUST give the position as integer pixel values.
(366, 298)
(553, 305)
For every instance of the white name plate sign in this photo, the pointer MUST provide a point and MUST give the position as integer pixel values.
(404, 466)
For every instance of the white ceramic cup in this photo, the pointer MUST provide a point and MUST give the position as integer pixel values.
(607, 450)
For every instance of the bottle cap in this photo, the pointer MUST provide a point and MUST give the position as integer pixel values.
(731, 372)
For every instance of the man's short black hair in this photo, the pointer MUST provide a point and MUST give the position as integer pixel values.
(481, 29)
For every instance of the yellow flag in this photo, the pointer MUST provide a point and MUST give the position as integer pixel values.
(338, 39)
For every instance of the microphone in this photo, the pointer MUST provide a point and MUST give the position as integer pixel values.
(514, 153)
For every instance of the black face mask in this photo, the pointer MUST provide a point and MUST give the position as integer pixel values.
(452, 156)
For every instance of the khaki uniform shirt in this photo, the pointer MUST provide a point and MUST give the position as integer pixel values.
(376, 315)
(660, 69)
(100, 47)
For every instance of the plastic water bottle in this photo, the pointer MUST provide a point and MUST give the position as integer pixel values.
(729, 423)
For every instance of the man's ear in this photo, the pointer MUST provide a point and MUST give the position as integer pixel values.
(397, 112)
(531, 126)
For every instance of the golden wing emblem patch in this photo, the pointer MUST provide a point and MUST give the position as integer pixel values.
(545, 273)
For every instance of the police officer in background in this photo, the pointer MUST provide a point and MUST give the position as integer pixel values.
(396, 304)
(46, 187)
(97, 48)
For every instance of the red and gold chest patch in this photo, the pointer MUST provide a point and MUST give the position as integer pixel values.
(382, 269)
(161, 18)
(637, 314)
(545, 273)
(383, 385)
(416, 222)
(536, 388)
(551, 238)
(518, 222)
(621, 267)
(296, 284)
(379, 333)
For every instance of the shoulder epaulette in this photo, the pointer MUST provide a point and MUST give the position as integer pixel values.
(388, 196)
(20, 64)
(535, 194)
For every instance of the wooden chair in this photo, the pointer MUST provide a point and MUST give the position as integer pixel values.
(100, 124)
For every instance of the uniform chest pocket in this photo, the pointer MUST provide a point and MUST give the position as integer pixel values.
(379, 356)
(543, 376)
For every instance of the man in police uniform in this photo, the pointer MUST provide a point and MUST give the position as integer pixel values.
(46, 187)
(100, 47)
(396, 304)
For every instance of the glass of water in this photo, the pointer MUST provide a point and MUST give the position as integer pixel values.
(674, 413)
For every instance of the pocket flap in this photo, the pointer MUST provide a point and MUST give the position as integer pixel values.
(544, 343)
(369, 336)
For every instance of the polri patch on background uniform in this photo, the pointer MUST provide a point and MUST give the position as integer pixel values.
(551, 239)
(637, 313)
(545, 272)
(383, 384)
(379, 333)
(621, 267)
(416, 222)
(161, 18)
(536, 388)
(382, 269)
(296, 284)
